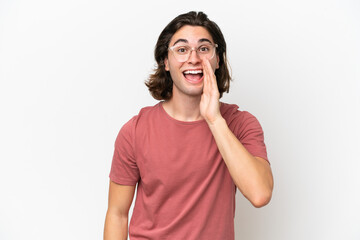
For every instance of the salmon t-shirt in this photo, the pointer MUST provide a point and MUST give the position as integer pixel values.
(185, 191)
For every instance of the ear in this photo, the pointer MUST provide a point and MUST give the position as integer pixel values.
(166, 63)
(217, 61)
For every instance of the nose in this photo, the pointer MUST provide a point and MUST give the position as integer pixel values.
(194, 57)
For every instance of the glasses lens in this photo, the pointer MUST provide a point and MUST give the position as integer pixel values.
(181, 52)
(206, 51)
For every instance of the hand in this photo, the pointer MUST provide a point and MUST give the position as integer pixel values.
(210, 104)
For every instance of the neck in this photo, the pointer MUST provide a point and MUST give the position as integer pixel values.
(184, 108)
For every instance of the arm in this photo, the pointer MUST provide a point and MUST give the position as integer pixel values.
(116, 222)
(252, 175)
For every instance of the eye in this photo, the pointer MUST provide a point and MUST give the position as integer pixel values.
(181, 49)
(204, 49)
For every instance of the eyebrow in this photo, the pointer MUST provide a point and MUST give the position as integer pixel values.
(204, 40)
(186, 41)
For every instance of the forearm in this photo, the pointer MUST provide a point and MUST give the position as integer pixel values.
(116, 227)
(252, 176)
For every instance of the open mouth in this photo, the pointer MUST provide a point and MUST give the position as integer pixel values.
(193, 76)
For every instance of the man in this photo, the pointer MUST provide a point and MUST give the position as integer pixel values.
(190, 152)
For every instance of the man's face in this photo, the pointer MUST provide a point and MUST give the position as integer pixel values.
(187, 82)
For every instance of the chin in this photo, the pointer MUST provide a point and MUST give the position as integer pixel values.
(191, 91)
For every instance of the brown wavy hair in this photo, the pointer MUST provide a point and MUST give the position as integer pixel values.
(160, 83)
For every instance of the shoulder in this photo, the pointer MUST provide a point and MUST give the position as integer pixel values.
(241, 123)
(144, 115)
(148, 111)
(246, 128)
(232, 113)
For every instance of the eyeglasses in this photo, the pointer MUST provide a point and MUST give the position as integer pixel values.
(183, 52)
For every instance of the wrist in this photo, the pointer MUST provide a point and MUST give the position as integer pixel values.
(217, 122)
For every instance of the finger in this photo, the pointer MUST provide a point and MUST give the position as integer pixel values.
(206, 77)
(206, 66)
(212, 73)
(211, 78)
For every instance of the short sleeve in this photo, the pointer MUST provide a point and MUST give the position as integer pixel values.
(248, 130)
(124, 169)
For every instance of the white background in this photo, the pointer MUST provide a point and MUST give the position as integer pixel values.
(72, 74)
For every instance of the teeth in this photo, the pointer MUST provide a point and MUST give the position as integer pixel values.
(193, 71)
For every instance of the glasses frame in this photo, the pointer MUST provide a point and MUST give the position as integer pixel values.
(192, 49)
